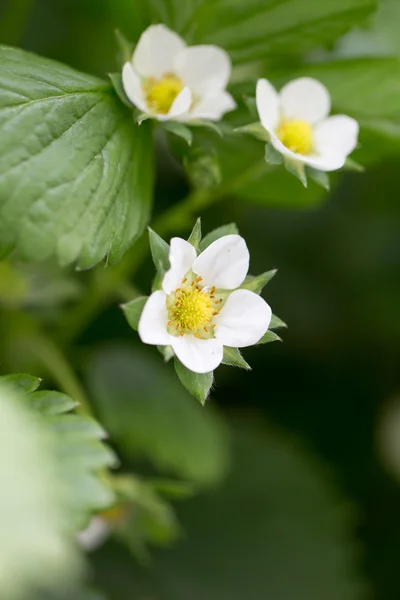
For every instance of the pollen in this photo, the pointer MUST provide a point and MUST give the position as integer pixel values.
(296, 135)
(160, 93)
(193, 309)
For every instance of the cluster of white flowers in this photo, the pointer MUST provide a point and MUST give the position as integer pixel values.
(168, 80)
(201, 307)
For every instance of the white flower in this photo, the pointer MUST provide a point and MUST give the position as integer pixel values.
(168, 80)
(95, 534)
(199, 309)
(298, 125)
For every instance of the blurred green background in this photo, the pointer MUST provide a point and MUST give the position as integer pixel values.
(292, 470)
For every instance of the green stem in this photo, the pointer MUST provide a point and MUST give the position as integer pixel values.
(59, 368)
(105, 285)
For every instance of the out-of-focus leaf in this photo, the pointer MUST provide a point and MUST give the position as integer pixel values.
(256, 130)
(75, 173)
(278, 513)
(214, 235)
(198, 384)
(133, 310)
(148, 413)
(51, 403)
(21, 382)
(35, 549)
(253, 29)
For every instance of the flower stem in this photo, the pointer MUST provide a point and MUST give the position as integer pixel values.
(106, 285)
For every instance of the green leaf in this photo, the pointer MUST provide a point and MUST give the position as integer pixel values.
(254, 129)
(76, 175)
(195, 236)
(133, 310)
(268, 337)
(214, 235)
(159, 251)
(180, 130)
(276, 323)
(233, 357)
(198, 384)
(257, 30)
(21, 382)
(272, 156)
(36, 546)
(116, 80)
(149, 414)
(320, 177)
(297, 169)
(51, 403)
(256, 284)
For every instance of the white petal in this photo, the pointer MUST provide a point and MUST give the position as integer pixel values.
(224, 264)
(336, 135)
(181, 104)
(182, 255)
(205, 69)
(153, 320)
(306, 99)
(94, 535)
(200, 356)
(156, 50)
(213, 107)
(133, 87)
(243, 320)
(326, 162)
(267, 100)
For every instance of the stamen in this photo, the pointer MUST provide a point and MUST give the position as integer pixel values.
(199, 279)
(205, 329)
(197, 335)
(184, 280)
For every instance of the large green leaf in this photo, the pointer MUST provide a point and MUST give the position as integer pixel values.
(253, 29)
(148, 413)
(34, 514)
(75, 172)
(278, 528)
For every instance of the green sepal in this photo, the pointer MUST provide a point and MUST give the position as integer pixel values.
(233, 358)
(207, 125)
(195, 237)
(257, 283)
(251, 105)
(159, 252)
(352, 165)
(320, 177)
(272, 156)
(269, 336)
(276, 323)
(254, 129)
(179, 129)
(125, 47)
(133, 310)
(116, 80)
(167, 352)
(214, 235)
(198, 384)
(141, 117)
(157, 282)
(296, 168)
(21, 382)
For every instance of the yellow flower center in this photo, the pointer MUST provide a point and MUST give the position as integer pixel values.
(160, 93)
(296, 135)
(191, 308)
